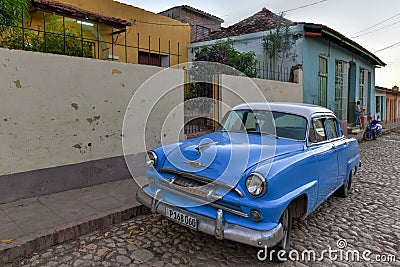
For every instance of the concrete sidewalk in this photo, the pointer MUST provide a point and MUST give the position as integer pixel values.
(33, 224)
(390, 127)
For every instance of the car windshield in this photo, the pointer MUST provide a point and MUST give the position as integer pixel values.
(278, 124)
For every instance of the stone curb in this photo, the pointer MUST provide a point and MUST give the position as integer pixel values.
(26, 245)
(387, 131)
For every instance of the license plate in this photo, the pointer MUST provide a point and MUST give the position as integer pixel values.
(181, 218)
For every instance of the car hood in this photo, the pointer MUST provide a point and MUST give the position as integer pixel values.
(226, 155)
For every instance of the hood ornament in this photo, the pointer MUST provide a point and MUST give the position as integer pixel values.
(204, 146)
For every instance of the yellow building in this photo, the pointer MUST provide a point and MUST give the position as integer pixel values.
(108, 30)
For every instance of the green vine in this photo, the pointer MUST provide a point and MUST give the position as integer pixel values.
(277, 42)
(223, 52)
(11, 13)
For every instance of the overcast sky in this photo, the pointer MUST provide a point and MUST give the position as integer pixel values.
(345, 16)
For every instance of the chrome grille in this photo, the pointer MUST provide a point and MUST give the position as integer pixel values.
(186, 182)
(199, 186)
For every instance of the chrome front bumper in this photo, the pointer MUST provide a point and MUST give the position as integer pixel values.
(217, 227)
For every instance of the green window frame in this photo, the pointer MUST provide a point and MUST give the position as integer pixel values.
(341, 89)
(363, 89)
(323, 81)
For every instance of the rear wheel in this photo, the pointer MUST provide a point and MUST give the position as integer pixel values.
(345, 189)
(284, 244)
(368, 135)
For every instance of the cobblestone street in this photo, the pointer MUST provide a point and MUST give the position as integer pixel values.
(367, 220)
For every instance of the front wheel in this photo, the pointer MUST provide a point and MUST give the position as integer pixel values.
(284, 244)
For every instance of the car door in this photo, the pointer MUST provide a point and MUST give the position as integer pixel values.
(332, 130)
(341, 144)
(325, 156)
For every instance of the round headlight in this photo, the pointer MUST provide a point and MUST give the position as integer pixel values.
(256, 185)
(151, 159)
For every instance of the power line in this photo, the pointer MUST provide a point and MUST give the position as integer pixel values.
(388, 47)
(315, 3)
(397, 22)
(180, 25)
(162, 24)
(173, 25)
(379, 23)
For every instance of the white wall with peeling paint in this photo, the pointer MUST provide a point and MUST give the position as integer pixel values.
(237, 90)
(59, 110)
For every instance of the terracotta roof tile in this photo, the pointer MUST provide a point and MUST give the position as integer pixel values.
(266, 20)
(263, 20)
(75, 12)
(202, 12)
(195, 10)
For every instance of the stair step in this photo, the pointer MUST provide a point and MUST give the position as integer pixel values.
(356, 131)
(353, 127)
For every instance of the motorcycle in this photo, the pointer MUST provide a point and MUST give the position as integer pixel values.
(373, 130)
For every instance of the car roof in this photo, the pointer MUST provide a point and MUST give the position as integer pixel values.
(306, 110)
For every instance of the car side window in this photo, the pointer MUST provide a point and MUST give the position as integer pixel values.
(332, 129)
(290, 126)
(317, 131)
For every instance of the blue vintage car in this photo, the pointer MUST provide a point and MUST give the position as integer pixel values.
(264, 165)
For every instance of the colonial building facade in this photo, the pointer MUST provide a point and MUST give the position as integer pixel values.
(337, 72)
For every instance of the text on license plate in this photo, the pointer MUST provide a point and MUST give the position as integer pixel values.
(181, 217)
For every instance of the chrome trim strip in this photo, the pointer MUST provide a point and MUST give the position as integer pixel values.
(256, 238)
(237, 191)
(236, 212)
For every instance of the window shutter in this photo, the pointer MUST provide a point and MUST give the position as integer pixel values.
(345, 93)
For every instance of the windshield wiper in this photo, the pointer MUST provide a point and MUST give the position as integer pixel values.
(229, 131)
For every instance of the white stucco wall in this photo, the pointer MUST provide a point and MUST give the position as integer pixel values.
(236, 90)
(59, 110)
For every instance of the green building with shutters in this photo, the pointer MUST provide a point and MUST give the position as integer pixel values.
(336, 70)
